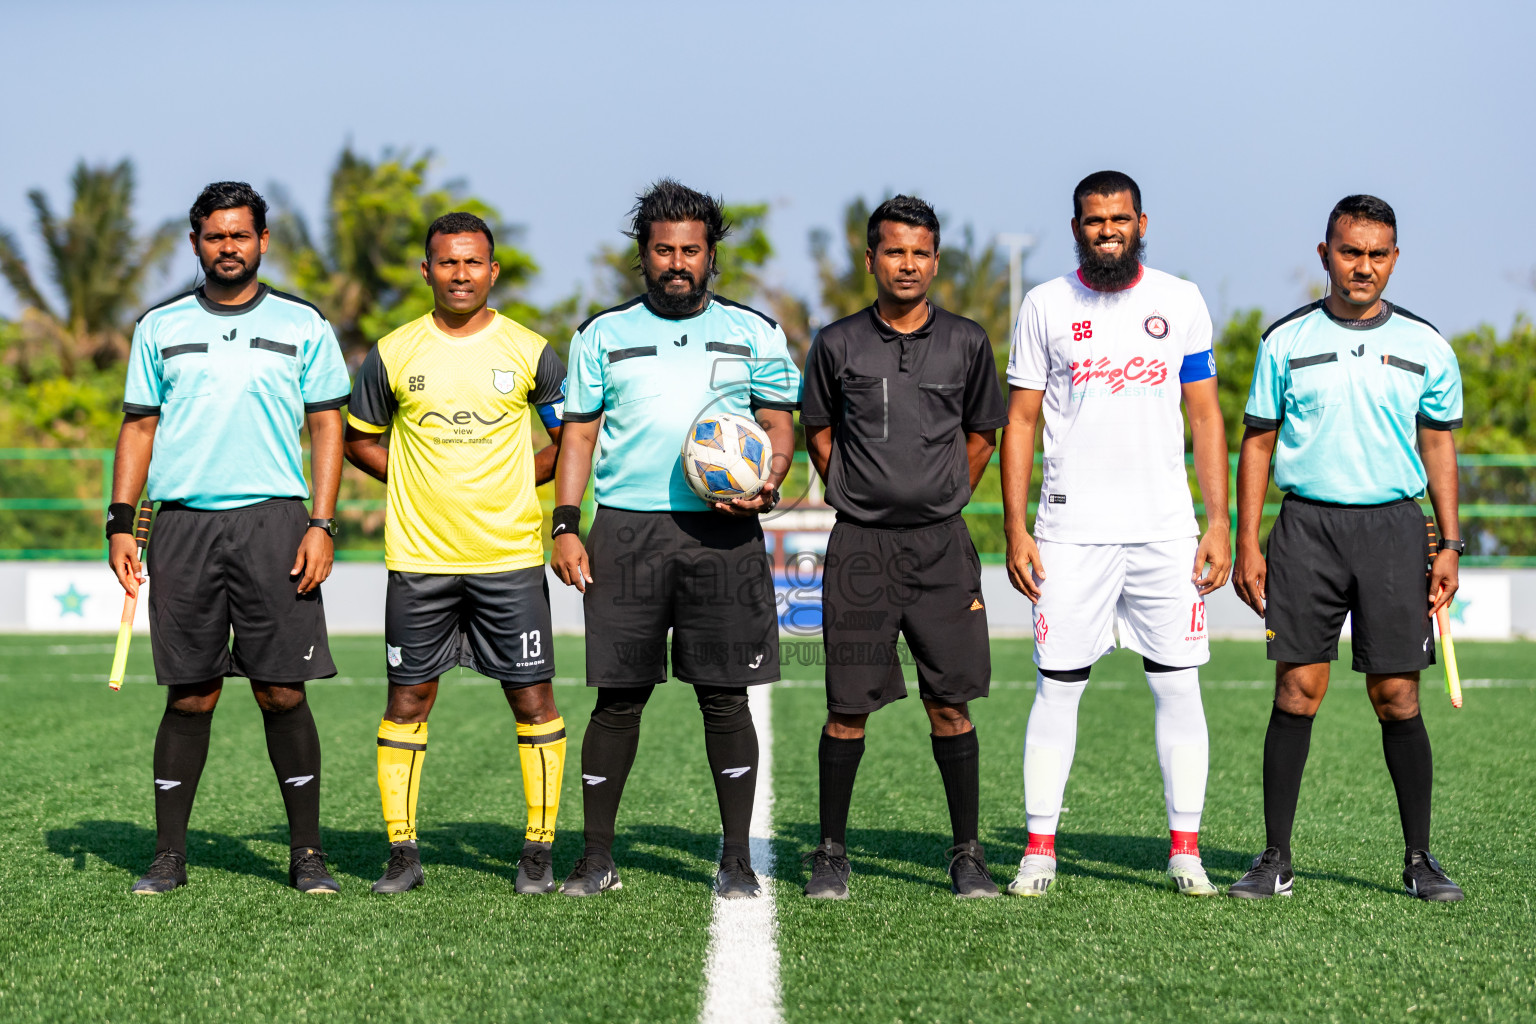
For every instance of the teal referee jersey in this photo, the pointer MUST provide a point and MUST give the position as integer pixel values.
(231, 385)
(1347, 397)
(650, 376)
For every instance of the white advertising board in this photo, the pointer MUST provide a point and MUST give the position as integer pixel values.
(86, 599)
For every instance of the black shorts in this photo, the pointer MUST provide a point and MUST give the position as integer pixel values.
(924, 583)
(1366, 561)
(703, 575)
(494, 623)
(211, 572)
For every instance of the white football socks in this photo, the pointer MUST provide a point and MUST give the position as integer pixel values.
(1049, 742)
(1183, 745)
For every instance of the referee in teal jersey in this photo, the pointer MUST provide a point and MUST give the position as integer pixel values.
(659, 558)
(1355, 399)
(221, 381)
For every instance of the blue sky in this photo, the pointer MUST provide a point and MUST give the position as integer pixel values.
(1243, 123)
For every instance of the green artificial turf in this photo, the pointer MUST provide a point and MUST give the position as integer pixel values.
(236, 944)
(1108, 943)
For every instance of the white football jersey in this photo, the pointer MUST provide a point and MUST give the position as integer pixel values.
(1111, 365)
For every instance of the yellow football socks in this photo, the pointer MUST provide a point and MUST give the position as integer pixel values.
(402, 748)
(541, 748)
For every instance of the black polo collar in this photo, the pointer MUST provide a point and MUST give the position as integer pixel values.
(709, 300)
(889, 333)
(221, 309)
(1382, 316)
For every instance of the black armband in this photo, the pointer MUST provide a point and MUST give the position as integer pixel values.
(119, 518)
(565, 519)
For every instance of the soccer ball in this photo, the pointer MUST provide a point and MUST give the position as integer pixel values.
(726, 456)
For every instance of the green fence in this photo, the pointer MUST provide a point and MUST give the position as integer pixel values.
(52, 501)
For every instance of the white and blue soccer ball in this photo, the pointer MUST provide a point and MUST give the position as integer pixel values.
(726, 456)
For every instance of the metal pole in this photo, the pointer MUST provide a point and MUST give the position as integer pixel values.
(1017, 246)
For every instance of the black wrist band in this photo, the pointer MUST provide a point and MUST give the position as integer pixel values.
(565, 519)
(119, 518)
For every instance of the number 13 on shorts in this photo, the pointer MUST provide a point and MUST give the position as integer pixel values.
(1143, 589)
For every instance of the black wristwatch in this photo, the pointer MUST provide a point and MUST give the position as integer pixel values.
(1455, 544)
(328, 525)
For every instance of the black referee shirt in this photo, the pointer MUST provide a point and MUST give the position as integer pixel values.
(900, 406)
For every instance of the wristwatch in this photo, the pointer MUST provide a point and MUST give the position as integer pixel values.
(1455, 544)
(328, 525)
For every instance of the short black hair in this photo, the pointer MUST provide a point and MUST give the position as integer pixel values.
(669, 201)
(460, 223)
(228, 195)
(903, 210)
(1105, 183)
(1362, 207)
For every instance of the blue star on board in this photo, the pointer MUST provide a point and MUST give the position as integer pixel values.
(71, 602)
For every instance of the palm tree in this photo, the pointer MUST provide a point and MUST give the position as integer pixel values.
(98, 265)
(363, 271)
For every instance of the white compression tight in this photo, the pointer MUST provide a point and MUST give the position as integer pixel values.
(1183, 748)
(1050, 740)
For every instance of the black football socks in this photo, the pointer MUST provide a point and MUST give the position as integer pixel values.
(839, 763)
(730, 741)
(293, 745)
(1286, 744)
(607, 754)
(1411, 764)
(959, 760)
(181, 750)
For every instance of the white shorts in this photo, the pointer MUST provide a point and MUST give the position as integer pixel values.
(1144, 589)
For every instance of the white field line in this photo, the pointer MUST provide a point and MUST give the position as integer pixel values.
(741, 975)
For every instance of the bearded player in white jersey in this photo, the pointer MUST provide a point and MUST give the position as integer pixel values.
(1108, 352)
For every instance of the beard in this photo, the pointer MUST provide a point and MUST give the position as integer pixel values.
(242, 277)
(1109, 273)
(675, 304)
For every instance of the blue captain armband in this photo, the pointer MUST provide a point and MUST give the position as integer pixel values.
(550, 414)
(1198, 366)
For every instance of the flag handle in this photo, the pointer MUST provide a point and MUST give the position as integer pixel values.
(130, 603)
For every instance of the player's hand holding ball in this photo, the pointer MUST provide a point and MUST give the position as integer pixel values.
(726, 461)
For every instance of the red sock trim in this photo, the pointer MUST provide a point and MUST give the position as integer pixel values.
(1041, 845)
(1184, 843)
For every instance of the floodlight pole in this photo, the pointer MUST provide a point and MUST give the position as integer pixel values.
(1017, 246)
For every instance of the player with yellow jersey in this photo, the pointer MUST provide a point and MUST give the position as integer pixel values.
(462, 530)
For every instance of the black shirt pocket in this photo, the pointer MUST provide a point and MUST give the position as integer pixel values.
(631, 375)
(274, 368)
(1316, 381)
(939, 411)
(186, 371)
(866, 408)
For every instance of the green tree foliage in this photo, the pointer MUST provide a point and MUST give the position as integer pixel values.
(97, 264)
(364, 268)
(1237, 346)
(845, 286)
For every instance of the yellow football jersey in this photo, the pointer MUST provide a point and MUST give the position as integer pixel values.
(460, 485)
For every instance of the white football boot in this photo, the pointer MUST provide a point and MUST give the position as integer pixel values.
(1188, 876)
(1036, 873)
